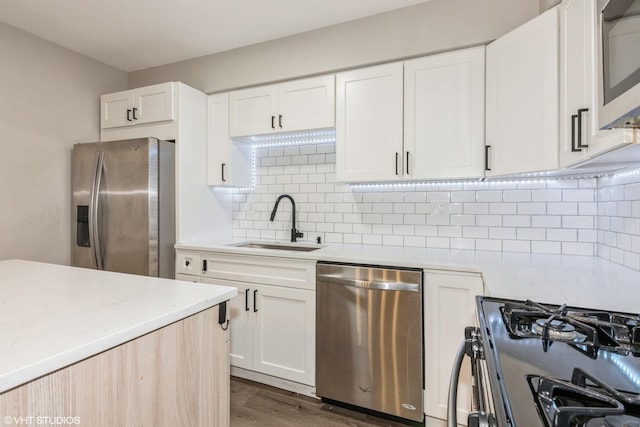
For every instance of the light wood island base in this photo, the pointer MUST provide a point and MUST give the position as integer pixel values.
(175, 376)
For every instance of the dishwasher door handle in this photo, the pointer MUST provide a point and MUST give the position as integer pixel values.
(366, 284)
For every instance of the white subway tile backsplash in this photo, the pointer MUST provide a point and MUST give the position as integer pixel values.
(438, 242)
(546, 221)
(539, 247)
(461, 220)
(562, 235)
(531, 234)
(462, 243)
(516, 221)
(585, 216)
(415, 241)
(503, 208)
(488, 245)
(562, 208)
(502, 233)
(450, 231)
(489, 196)
(572, 248)
(571, 221)
(393, 240)
(533, 208)
(546, 195)
(475, 232)
(516, 246)
(463, 196)
(516, 196)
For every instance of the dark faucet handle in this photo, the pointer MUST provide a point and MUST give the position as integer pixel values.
(295, 234)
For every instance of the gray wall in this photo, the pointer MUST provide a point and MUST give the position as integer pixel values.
(413, 31)
(50, 101)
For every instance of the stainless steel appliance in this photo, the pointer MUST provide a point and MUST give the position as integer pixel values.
(123, 202)
(549, 365)
(619, 63)
(369, 338)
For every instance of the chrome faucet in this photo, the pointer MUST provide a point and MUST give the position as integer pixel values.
(294, 233)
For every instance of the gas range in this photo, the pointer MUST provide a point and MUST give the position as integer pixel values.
(549, 365)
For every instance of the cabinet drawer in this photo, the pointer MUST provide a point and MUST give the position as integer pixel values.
(265, 270)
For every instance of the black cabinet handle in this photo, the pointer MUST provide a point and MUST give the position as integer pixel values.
(396, 163)
(407, 163)
(574, 149)
(223, 180)
(580, 111)
(280, 121)
(486, 157)
(246, 299)
(255, 299)
(129, 115)
(204, 265)
(273, 122)
(134, 113)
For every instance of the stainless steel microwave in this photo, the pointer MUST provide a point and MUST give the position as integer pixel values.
(619, 63)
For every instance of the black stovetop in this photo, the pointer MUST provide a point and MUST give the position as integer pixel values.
(563, 366)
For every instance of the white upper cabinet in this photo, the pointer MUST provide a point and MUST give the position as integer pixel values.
(116, 109)
(577, 79)
(228, 162)
(522, 98)
(148, 104)
(412, 120)
(154, 103)
(253, 111)
(369, 123)
(580, 138)
(297, 105)
(444, 115)
(307, 104)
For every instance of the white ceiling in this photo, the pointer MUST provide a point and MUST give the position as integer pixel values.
(136, 34)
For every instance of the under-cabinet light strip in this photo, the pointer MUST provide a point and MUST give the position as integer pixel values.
(329, 136)
(312, 137)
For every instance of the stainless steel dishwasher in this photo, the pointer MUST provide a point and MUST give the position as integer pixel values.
(369, 338)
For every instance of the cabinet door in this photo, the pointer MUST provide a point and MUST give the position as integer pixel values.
(284, 334)
(578, 84)
(154, 103)
(218, 141)
(229, 163)
(114, 108)
(444, 115)
(241, 320)
(369, 124)
(253, 111)
(306, 104)
(522, 98)
(449, 307)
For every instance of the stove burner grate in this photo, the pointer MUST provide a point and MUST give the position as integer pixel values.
(586, 401)
(587, 331)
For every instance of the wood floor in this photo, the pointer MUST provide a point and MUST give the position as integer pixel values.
(254, 404)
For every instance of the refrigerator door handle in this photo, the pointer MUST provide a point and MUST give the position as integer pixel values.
(94, 240)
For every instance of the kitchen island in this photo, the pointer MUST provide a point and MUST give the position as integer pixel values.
(95, 348)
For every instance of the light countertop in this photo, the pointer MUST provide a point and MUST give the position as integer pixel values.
(52, 316)
(582, 281)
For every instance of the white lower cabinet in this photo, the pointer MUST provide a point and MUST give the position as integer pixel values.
(272, 319)
(449, 307)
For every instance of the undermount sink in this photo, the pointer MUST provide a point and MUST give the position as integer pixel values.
(278, 246)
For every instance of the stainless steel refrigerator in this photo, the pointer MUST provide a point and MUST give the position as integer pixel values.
(123, 198)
